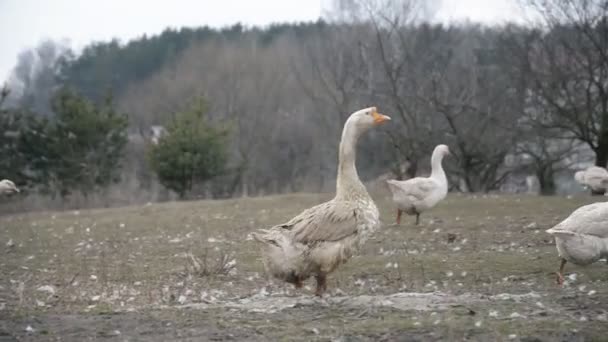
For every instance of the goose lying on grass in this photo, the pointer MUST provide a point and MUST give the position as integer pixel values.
(595, 178)
(582, 238)
(413, 196)
(7, 187)
(319, 239)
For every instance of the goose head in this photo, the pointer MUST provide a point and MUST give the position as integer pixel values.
(442, 150)
(366, 118)
(7, 187)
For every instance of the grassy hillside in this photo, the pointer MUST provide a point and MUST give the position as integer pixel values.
(190, 271)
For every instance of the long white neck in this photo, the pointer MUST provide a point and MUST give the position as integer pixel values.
(436, 167)
(348, 184)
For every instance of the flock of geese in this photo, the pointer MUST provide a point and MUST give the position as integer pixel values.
(318, 240)
(321, 238)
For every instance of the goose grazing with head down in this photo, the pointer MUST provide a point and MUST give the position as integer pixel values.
(582, 238)
(318, 240)
(415, 195)
(7, 187)
(595, 178)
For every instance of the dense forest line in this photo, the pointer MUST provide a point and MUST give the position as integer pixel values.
(510, 101)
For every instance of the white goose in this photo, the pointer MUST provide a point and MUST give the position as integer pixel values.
(415, 195)
(595, 178)
(319, 239)
(7, 187)
(582, 238)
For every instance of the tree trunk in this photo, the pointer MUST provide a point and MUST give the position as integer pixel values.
(601, 151)
(244, 186)
(412, 168)
(469, 181)
(546, 182)
(467, 177)
(601, 158)
(181, 193)
(601, 155)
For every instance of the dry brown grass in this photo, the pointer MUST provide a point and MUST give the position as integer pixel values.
(119, 269)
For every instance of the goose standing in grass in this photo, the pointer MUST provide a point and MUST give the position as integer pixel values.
(7, 187)
(415, 195)
(595, 178)
(582, 238)
(318, 240)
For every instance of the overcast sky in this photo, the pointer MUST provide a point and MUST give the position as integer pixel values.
(24, 23)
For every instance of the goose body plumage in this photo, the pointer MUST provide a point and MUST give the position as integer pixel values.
(582, 238)
(7, 187)
(595, 178)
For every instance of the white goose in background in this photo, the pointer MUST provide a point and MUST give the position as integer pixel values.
(415, 195)
(595, 178)
(582, 238)
(318, 240)
(7, 187)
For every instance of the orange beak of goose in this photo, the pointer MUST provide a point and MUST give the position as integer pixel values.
(379, 118)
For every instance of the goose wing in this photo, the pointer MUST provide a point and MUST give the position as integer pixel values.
(329, 221)
(590, 219)
(415, 189)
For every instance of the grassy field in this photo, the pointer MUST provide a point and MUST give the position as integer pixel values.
(190, 271)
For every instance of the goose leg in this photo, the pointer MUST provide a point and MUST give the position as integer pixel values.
(321, 284)
(560, 273)
(398, 216)
(417, 218)
(294, 279)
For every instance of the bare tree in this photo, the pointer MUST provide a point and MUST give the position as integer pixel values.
(567, 59)
(546, 154)
(402, 58)
(479, 105)
(542, 149)
(332, 74)
(34, 78)
(395, 54)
